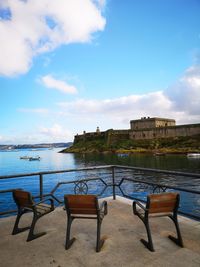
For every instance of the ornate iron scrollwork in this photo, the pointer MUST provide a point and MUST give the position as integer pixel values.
(81, 188)
(159, 189)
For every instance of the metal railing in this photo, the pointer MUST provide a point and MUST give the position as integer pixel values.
(111, 180)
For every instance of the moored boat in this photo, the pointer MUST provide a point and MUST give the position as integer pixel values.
(34, 158)
(193, 155)
(24, 157)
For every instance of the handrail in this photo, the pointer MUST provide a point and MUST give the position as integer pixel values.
(162, 185)
(197, 175)
(102, 176)
(54, 172)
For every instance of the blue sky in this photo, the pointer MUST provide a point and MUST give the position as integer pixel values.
(71, 65)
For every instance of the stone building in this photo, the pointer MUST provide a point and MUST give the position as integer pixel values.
(147, 122)
(143, 129)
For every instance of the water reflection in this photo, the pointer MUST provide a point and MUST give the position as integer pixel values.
(51, 160)
(167, 162)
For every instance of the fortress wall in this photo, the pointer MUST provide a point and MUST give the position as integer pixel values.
(115, 135)
(165, 132)
(150, 123)
(161, 123)
(142, 124)
(89, 136)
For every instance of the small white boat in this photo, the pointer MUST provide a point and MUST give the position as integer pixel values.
(34, 158)
(25, 157)
(193, 155)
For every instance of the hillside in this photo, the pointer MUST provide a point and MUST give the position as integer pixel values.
(167, 145)
(42, 145)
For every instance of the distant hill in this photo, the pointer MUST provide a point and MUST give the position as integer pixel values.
(42, 145)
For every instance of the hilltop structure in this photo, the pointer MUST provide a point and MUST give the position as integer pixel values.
(145, 128)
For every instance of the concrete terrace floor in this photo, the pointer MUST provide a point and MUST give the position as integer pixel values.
(122, 231)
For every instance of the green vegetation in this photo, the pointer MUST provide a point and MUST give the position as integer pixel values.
(166, 145)
(88, 146)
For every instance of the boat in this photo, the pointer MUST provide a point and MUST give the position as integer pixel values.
(34, 158)
(193, 155)
(24, 157)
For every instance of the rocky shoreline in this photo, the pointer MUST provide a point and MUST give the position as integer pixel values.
(132, 151)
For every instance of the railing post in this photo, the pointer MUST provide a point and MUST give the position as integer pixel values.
(113, 182)
(41, 186)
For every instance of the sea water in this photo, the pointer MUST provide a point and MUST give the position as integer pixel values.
(51, 160)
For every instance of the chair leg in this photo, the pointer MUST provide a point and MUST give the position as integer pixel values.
(16, 229)
(31, 235)
(178, 240)
(148, 244)
(68, 241)
(100, 242)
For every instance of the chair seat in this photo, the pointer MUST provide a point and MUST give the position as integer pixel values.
(25, 203)
(84, 207)
(43, 208)
(159, 205)
(91, 216)
(152, 215)
(161, 214)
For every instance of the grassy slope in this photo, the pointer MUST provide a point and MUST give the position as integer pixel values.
(167, 145)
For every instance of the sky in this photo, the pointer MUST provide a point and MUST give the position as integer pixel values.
(68, 66)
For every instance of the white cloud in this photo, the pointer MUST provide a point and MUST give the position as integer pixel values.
(36, 26)
(101, 3)
(131, 105)
(56, 133)
(59, 85)
(41, 134)
(56, 129)
(180, 101)
(185, 94)
(34, 110)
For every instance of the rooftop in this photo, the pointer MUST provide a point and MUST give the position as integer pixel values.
(122, 231)
(152, 119)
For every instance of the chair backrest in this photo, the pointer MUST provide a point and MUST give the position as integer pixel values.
(164, 202)
(23, 198)
(81, 204)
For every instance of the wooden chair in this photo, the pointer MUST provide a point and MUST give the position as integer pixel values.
(165, 204)
(25, 203)
(84, 207)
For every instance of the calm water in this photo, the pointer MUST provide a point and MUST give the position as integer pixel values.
(10, 164)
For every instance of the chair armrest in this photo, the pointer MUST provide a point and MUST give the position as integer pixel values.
(45, 200)
(135, 207)
(104, 207)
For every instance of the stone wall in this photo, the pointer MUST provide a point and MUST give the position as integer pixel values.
(112, 136)
(148, 123)
(165, 132)
(89, 136)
